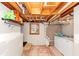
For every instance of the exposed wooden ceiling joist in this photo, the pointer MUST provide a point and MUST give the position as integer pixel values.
(50, 7)
(47, 9)
(33, 7)
(36, 17)
(8, 5)
(68, 11)
(55, 12)
(14, 6)
(71, 5)
(60, 6)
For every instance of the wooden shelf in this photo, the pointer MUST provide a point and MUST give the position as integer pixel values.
(10, 20)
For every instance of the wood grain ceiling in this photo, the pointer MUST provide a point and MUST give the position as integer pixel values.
(41, 11)
(41, 7)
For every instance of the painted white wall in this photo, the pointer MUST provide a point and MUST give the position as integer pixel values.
(76, 30)
(11, 44)
(68, 29)
(36, 39)
(4, 28)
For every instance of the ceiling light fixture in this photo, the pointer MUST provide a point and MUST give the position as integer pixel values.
(65, 6)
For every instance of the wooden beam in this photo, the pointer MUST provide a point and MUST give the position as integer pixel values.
(11, 20)
(68, 11)
(55, 12)
(56, 7)
(49, 17)
(15, 5)
(36, 17)
(40, 21)
(12, 7)
(42, 7)
(8, 5)
(28, 6)
(60, 6)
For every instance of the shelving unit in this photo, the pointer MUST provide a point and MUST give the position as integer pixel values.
(10, 20)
